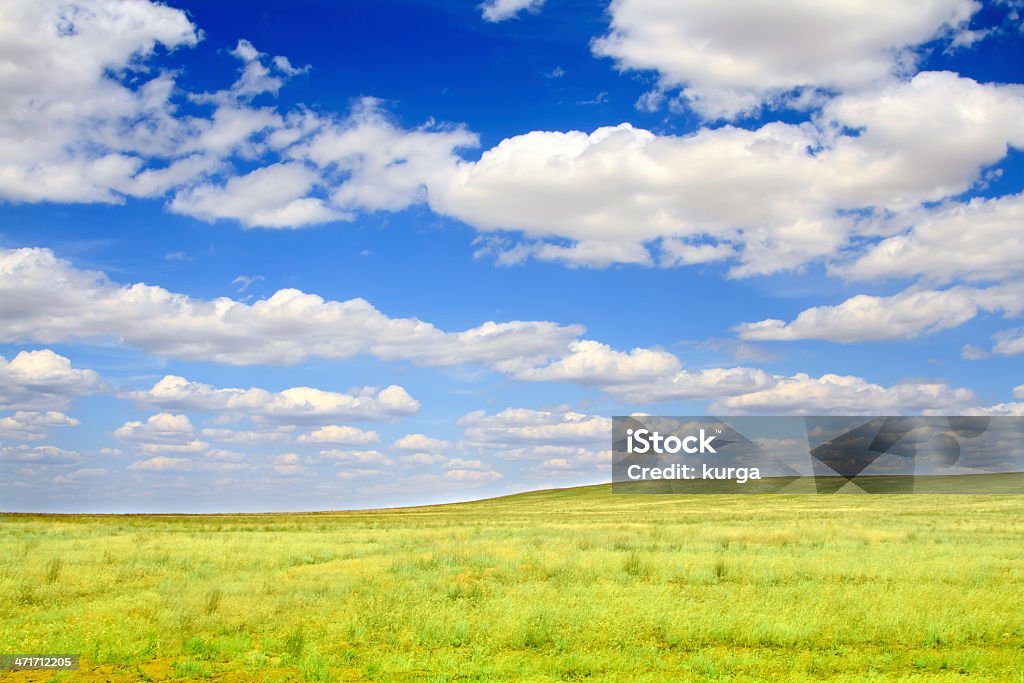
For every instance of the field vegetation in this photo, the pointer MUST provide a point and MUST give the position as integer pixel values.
(578, 584)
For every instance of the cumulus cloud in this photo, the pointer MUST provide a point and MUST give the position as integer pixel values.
(778, 196)
(70, 304)
(33, 425)
(644, 375)
(287, 464)
(421, 442)
(763, 200)
(1009, 409)
(370, 162)
(543, 452)
(731, 59)
(805, 395)
(70, 125)
(1009, 343)
(258, 74)
(265, 434)
(274, 196)
(972, 352)
(525, 427)
(360, 458)
(582, 462)
(162, 463)
(42, 378)
(340, 434)
(558, 443)
(422, 459)
(901, 316)
(678, 253)
(472, 476)
(84, 119)
(78, 477)
(47, 299)
(327, 167)
(500, 10)
(295, 404)
(163, 432)
(38, 455)
(977, 240)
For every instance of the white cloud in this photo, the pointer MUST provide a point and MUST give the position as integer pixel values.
(163, 436)
(1009, 343)
(778, 196)
(162, 433)
(70, 304)
(500, 10)
(544, 452)
(295, 404)
(44, 298)
(463, 464)
(972, 352)
(84, 120)
(590, 362)
(359, 473)
(975, 241)
(258, 75)
(274, 196)
(838, 394)
(421, 442)
(69, 124)
(644, 375)
(340, 434)
(287, 464)
(422, 459)
(525, 427)
(731, 58)
(42, 378)
(472, 476)
(162, 463)
(38, 455)
(246, 281)
(552, 460)
(591, 253)
(764, 200)
(32, 425)
(901, 316)
(265, 434)
(767, 199)
(579, 463)
(374, 164)
(364, 458)
(80, 476)
(1003, 409)
(677, 253)
(225, 455)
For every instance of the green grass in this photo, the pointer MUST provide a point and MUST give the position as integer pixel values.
(579, 584)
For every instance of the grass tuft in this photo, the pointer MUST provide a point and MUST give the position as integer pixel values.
(53, 569)
(213, 600)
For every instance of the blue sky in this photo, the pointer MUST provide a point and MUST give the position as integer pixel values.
(332, 255)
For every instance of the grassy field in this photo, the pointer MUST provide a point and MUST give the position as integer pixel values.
(558, 585)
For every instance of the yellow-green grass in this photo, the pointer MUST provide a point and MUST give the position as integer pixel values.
(557, 585)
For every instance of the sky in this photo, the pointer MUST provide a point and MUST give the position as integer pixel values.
(312, 255)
